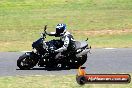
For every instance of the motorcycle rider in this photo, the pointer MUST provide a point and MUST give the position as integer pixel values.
(65, 37)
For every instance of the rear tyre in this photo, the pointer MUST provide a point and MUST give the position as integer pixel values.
(79, 62)
(25, 62)
(83, 59)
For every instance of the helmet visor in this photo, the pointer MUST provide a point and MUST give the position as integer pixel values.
(59, 31)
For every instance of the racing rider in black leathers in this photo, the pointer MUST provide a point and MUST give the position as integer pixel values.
(65, 37)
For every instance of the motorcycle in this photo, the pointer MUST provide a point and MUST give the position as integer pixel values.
(43, 54)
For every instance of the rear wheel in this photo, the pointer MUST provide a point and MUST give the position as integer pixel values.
(78, 62)
(25, 62)
(83, 59)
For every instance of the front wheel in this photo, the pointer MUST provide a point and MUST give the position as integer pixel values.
(25, 62)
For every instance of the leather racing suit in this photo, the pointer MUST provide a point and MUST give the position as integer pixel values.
(66, 38)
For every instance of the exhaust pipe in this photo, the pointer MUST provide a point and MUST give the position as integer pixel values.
(83, 52)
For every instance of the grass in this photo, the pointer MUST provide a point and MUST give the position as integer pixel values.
(97, 41)
(86, 14)
(15, 43)
(51, 81)
(113, 40)
(22, 20)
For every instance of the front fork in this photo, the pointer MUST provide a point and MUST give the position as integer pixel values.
(33, 56)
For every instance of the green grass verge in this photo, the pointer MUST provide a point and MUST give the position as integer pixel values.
(97, 41)
(78, 14)
(51, 81)
(21, 20)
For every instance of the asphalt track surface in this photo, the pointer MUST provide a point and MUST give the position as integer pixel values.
(100, 61)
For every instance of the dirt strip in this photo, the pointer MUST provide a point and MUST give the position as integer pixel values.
(101, 32)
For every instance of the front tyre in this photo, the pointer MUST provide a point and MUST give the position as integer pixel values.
(25, 62)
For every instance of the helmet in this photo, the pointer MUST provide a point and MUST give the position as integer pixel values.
(60, 29)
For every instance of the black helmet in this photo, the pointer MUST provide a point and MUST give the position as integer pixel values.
(60, 29)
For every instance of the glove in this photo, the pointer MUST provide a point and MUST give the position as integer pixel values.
(56, 51)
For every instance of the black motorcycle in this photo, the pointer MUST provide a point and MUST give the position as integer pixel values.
(43, 54)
